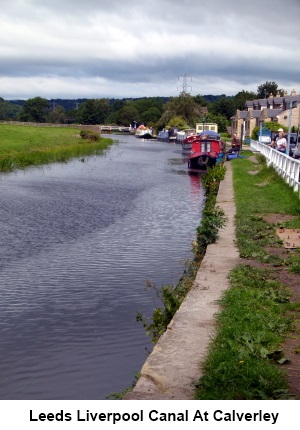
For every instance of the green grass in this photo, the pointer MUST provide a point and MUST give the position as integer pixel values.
(245, 360)
(266, 192)
(23, 146)
(256, 195)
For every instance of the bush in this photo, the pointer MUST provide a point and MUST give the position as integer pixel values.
(272, 126)
(90, 135)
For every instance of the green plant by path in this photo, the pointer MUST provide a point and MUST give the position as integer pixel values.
(170, 298)
(212, 217)
(115, 395)
(22, 146)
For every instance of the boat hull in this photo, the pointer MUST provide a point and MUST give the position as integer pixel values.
(144, 136)
(205, 153)
(186, 146)
(201, 161)
(143, 132)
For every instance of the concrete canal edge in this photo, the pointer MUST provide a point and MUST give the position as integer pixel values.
(174, 366)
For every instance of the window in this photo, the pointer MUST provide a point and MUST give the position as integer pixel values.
(205, 147)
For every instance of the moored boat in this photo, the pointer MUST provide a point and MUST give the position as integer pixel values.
(206, 150)
(186, 137)
(143, 132)
(188, 141)
(163, 136)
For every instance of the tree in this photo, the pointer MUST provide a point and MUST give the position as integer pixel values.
(177, 121)
(272, 126)
(183, 106)
(225, 107)
(199, 100)
(218, 119)
(127, 114)
(8, 110)
(57, 115)
(150, 116)
(264, 90)
(117, 105)
(93, 111)
(241, 97)
(147, 103)
(35, 110)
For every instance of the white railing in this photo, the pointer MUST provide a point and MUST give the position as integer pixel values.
(287, 167)
(114, 128)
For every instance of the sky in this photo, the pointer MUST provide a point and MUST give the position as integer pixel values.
(73, 49)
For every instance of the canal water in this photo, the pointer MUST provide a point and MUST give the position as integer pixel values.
(78, 243)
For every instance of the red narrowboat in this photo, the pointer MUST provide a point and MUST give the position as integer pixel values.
(206, 151)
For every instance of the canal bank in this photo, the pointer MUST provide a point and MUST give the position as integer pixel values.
(174, 365)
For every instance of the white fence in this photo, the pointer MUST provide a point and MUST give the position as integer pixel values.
(114, 128)
(287, 167)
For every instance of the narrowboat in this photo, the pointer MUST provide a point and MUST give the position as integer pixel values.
(185, 138)
(206, 151)
(163, 136)
(188, 141)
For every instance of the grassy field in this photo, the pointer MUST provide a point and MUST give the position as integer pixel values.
(259, 312)
(23, 146)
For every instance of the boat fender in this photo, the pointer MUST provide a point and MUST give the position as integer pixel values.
(203, 160)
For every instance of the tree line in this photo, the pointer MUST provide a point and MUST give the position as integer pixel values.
(183, 111)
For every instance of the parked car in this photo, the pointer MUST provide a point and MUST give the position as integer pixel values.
(296, 148)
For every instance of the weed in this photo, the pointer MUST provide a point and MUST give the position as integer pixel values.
(170, 298)
(293, 262)
(121, 394)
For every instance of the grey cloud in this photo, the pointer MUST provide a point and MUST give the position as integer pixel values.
(253, 35)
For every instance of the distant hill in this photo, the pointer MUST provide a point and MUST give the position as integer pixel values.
(70, 104)
(67, 104)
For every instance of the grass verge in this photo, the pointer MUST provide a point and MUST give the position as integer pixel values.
(21, 147)
(246, 360)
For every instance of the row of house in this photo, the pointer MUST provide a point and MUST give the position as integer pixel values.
(274, 108)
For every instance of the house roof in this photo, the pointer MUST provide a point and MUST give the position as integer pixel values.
(278, 100)
(271, 113)
(262, 102)
(292, 98)
(243, 114)
(256, 113)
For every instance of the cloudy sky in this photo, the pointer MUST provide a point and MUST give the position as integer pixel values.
(134, 48)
